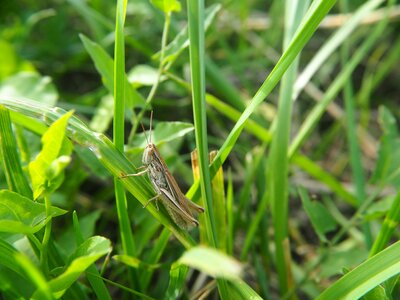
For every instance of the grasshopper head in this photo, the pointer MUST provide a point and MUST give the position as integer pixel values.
(148, 154)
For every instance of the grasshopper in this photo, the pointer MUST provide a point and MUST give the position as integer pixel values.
(180, 208)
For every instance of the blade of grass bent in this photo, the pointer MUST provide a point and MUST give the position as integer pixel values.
(105, 151)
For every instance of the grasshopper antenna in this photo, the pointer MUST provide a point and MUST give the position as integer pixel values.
(151, 123)
(144, 131)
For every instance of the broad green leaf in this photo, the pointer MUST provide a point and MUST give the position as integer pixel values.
(30, 85)
(366, 276)
(105, 66)
(181, 40)
(177, 278)
(85, 255)
(22, 215)
(164, 132)
(320, 218)
(54, 145)
(167, 6)
(212, 262)
(144, 75)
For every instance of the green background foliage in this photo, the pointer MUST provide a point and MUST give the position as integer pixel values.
(290, 105)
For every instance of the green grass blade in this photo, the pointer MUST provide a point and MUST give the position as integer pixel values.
(16, 179)
(197, 68)
(128, 244)
(310, 23)
(244, 290)
(112, 159)
(333, 43)
(155, 255)
(317, 172)
(230, 215)
(303, 34)
(389, 225)
(104, 65)
(233, 114)
(92, 273)
(366, 276)
(84, 256)
(98, 23)
(355, 151)
(223, 86)
(196, 36)
(177, 277)
(277, 174)
(335, 87)
(43, 288)
(218, 196)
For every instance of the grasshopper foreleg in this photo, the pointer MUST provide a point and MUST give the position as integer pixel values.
(151, 200)
(136, 174)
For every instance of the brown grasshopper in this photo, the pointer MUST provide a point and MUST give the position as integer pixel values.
(180, 208)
